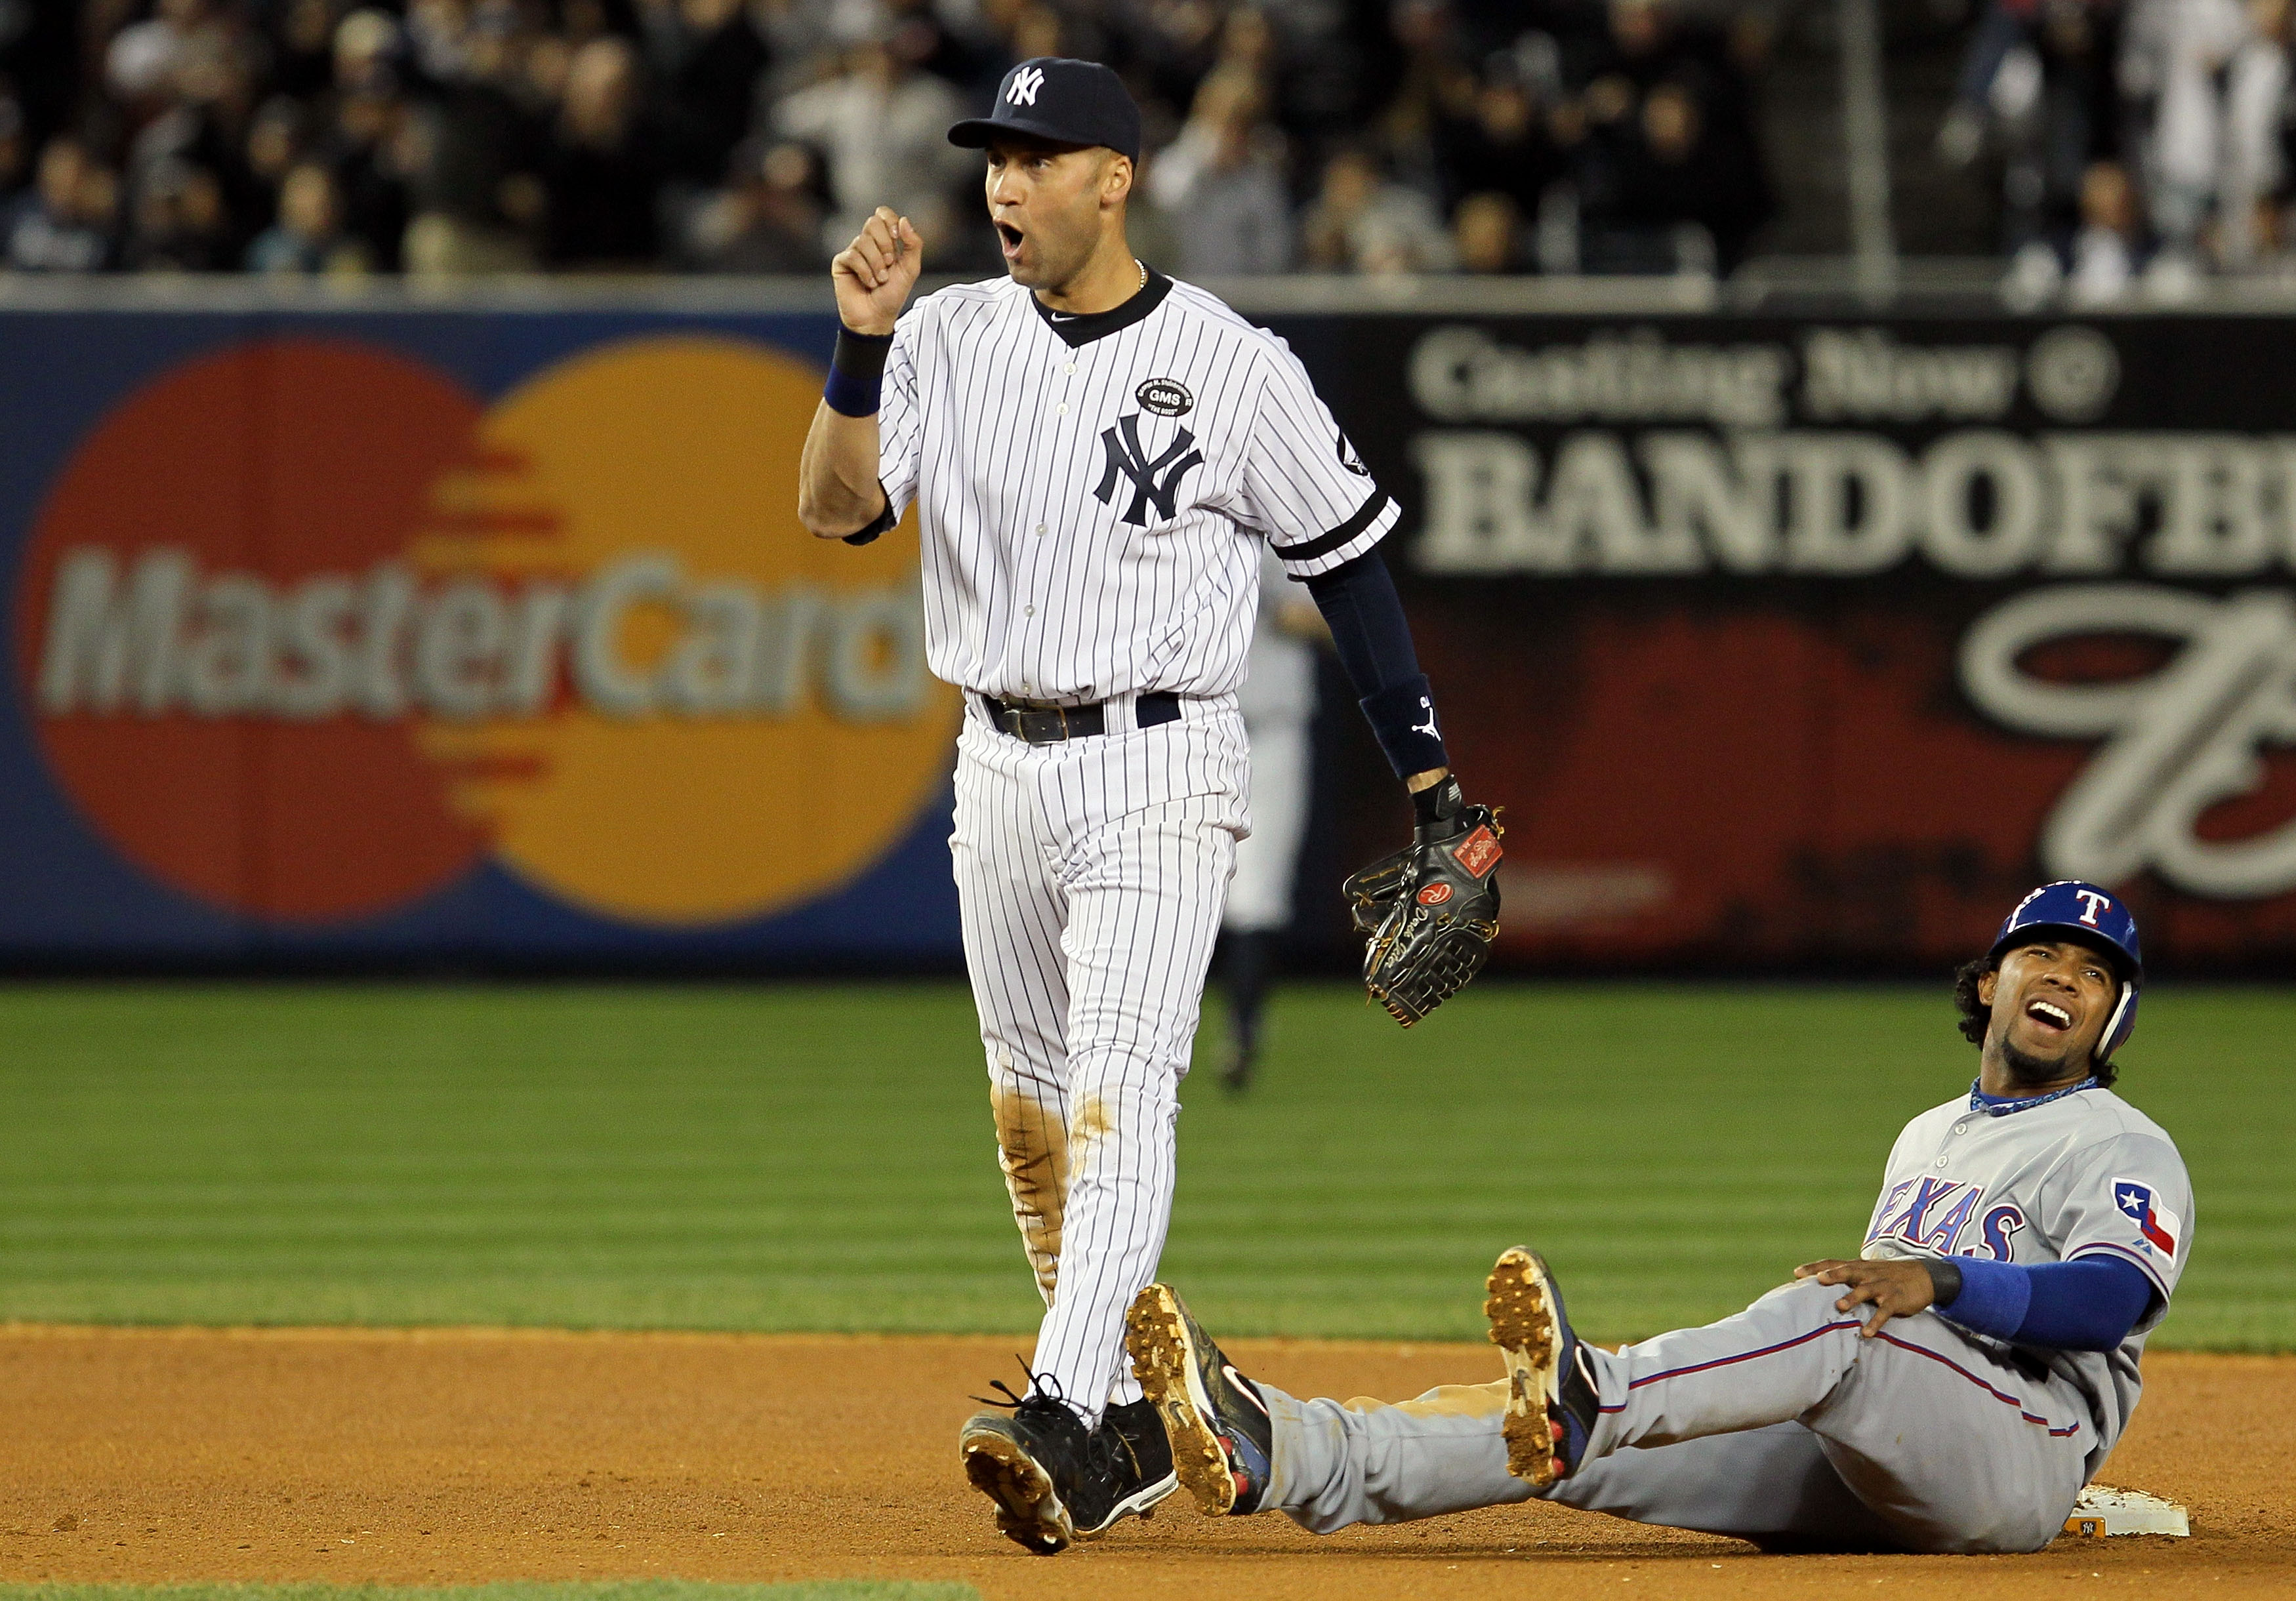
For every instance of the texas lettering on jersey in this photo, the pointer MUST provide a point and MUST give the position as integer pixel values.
(1934, 1213)
(1927, 1212)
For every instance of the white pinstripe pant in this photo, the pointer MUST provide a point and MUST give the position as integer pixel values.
(1091, 875)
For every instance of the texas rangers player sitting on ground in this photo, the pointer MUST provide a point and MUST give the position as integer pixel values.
(1950, 1390)
(1097, 455)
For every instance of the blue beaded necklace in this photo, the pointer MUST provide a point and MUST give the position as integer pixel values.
(1978, 1101)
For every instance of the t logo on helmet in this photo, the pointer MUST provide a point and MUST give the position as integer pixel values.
(2075, 907)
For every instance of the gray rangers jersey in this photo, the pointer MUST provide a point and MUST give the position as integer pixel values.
(1786, 1420)
(1093, 491)
(2079, 1173)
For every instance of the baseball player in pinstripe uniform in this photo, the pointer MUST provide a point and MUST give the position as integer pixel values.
(1950, 1390)
(1097, 455)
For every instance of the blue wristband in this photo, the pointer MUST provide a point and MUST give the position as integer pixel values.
(1993, 1296)
(853, 396)
(857, 373)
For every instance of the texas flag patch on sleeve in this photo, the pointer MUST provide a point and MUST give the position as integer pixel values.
(2160, 1226)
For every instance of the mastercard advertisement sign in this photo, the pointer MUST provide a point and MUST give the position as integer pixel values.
(446, 634)
(454, 635)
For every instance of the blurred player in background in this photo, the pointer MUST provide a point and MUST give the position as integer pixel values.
(1278, 703)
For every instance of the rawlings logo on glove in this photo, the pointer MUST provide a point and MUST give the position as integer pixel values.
(1480, 851)
(1430, 913)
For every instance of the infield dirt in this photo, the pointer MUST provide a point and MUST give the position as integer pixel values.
(451, 1456)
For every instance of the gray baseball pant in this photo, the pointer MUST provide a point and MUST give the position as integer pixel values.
(1778, 1425)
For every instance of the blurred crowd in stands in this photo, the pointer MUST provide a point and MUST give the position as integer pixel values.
(444, 137)
(2136, 141)
(2141, 144)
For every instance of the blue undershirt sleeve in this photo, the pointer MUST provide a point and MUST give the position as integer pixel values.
(1374, 639)
(2089, 1304)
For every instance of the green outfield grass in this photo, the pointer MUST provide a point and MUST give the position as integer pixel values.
(821, 1157)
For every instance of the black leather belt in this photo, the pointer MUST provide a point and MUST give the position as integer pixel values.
(1051, 724)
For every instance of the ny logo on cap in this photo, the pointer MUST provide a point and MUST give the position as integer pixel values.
(1158, 480)
(1026, 82)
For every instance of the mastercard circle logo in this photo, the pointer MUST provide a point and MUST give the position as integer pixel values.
(307, 632)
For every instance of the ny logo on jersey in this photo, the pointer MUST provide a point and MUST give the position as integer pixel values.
(1157, 481)
(1026, 82)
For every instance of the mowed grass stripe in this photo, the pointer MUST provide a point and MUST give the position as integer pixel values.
(184, 1215)
(822, 1156)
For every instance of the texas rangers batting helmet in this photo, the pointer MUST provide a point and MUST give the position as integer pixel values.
(2094, 918)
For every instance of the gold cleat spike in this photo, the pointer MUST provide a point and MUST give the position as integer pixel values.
(1155, 1335)
(1522, 1326)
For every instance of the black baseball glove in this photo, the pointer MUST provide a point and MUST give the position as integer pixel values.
(1430, 913)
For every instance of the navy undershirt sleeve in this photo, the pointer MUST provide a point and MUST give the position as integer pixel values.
(1357, 599)
(2089, 1304)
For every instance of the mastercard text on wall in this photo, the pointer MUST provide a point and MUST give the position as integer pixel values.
(157, 632)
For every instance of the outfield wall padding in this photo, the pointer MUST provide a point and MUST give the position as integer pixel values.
(389, 636)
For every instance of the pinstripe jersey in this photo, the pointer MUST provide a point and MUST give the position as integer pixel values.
(1093, 491)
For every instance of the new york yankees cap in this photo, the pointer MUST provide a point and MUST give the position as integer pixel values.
(1065, 101)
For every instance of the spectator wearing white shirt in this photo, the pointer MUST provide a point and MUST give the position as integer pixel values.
(2253, 93)
(2105, 250)
(1363, 222)
(1225, 174)
(143, 58)
(64, 223)
(2180, 52)
(883, 127)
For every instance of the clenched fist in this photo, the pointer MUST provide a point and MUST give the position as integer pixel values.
(874, 273)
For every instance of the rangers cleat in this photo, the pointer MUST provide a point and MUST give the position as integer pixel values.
(1222, 1438)
(1552, 1400)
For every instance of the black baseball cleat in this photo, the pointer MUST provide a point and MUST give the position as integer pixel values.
(1552, 1400)
(1221, 1436)
(1035, 1461)
(1130, 1449)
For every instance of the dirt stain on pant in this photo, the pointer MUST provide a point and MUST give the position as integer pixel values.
(1092, 1121)
(1444, 1400)
(1033, 1150)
